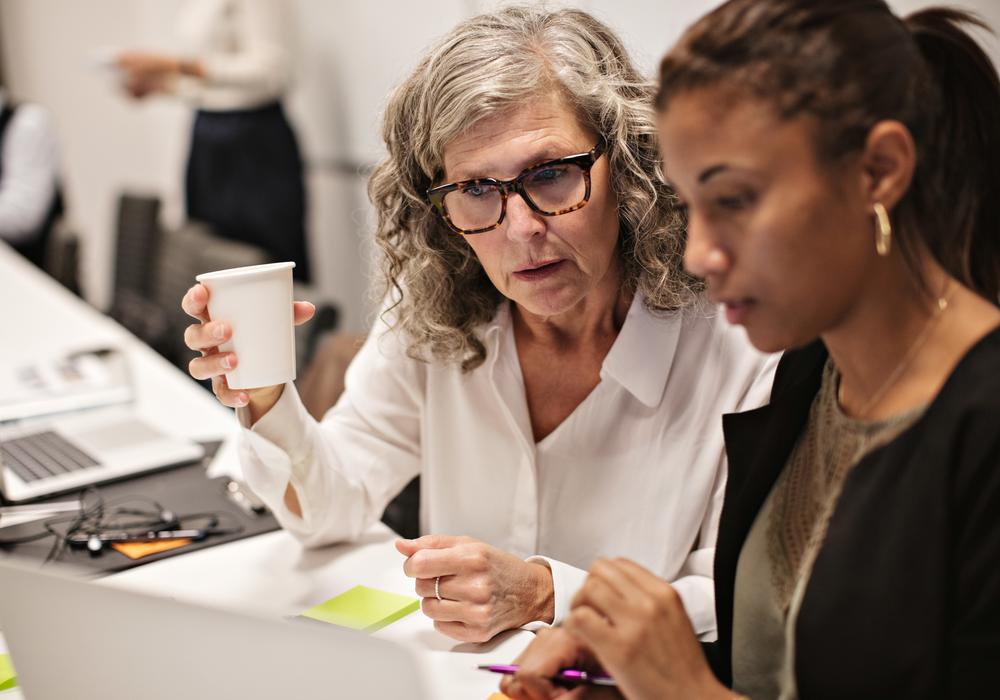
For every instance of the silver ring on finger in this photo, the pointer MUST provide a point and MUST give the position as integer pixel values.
(437, 588)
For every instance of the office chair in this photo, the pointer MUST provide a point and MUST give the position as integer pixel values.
(137, 245)
(62, 257)
(187, 251)
(138, 237)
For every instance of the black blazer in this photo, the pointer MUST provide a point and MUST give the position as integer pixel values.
(904, 598)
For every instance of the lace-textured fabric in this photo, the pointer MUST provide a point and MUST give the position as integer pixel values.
(807, 490)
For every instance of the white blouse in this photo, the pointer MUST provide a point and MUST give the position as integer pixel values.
(637, 470)
(245, 48)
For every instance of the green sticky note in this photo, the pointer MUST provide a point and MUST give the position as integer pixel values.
(8, 677)
(363, 608)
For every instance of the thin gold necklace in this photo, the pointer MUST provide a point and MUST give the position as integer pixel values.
(911, 352)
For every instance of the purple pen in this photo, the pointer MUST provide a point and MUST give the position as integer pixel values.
(572, 676)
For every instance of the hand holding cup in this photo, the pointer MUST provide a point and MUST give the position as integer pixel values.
(253, 308)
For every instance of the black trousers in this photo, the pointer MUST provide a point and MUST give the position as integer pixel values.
(244, 178)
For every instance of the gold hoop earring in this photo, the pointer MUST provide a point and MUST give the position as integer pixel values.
(883, 232)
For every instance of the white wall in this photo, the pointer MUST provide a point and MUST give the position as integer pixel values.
(349, 56)
(106, 142)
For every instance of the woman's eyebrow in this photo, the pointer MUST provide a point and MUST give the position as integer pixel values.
(705, 175)
(710, 172)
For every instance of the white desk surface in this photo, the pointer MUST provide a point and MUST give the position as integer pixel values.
(269, 573)
(42, 320)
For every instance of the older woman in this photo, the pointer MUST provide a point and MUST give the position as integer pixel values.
(542, 359)
(839, 164)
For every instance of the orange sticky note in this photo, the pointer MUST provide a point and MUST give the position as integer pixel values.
(138, 550)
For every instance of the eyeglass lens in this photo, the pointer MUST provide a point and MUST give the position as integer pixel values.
(552, 189)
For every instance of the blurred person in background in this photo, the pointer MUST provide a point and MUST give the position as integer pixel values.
(30, 199)
(244, 172)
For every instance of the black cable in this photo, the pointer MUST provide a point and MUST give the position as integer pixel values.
(59, 541)
(97, 516)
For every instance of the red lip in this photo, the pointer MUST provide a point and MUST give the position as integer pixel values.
(737, 310)
(536, 265)
(538, 271)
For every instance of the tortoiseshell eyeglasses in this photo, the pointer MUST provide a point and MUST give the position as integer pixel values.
(551, 188)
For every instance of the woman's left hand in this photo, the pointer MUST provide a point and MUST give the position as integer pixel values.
(145, 73)
(483, 590)
(635, 624)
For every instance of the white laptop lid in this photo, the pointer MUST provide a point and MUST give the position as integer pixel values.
(121, 444)
(71, 638)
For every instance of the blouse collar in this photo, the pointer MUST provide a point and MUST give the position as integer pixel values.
(640, 358)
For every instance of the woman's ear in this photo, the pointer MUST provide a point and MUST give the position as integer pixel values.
(887, 162)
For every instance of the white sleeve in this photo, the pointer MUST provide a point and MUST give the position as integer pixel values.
(28, 182)
(695, 582)
(695, 587)
(346, 468)
(262, 61)
(566, 581)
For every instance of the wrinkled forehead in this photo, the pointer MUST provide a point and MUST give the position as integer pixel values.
(543, 127)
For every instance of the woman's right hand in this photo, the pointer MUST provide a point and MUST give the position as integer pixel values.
(552, 650)
(206, 336)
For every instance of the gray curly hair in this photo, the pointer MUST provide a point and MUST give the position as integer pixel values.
(487, 65)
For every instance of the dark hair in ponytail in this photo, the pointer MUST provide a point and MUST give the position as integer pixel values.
(851, 64)
(962, 156)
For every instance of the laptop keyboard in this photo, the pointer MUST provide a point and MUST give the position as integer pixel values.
(40, 455)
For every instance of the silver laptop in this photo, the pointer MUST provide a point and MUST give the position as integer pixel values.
(70, 638)
(69, 452)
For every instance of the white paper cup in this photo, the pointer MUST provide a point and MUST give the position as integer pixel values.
(256, 302)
